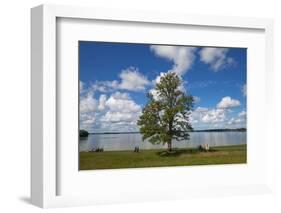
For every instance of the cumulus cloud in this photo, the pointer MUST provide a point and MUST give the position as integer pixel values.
(121, 102)
(206, 115)
(215, 57)
(182, 57)
(228, 102)
(234, 121)
(133, 80)
(242, 114)
(218, 117)
(201, 109)
(214, 116)
(105, 86)
(122, 109)
(239, 119)
(90, 108)
(118, 112)
(117, 117)
(89, 120)
(88, 103)
(130, 79)
(102, 102)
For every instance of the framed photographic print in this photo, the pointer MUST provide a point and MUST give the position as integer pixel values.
(130, 102)
(144, 105)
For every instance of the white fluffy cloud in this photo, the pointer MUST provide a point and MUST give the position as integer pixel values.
(119, 117)
(228, 102)
(242, 114)
(116, 113)
(102, 102)
(88, 103)
(182, 57)
(90, 108)
(239, 119)
(105, 86)
(121, 102)
(122, 109)
(218, 117)
(130, 79)
(88, 120)
(133, 80)
(214, 116)
(234, 121)
(205, 115)
(201, 109)
(216, 57)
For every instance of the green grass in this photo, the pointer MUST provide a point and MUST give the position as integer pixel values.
(159, 158)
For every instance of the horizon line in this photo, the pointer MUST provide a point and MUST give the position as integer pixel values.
(196, 130)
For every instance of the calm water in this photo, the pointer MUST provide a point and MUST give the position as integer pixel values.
(130, 141)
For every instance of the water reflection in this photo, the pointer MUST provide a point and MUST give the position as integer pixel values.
(129, 141)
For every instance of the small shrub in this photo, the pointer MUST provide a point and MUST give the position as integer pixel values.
(83, 133)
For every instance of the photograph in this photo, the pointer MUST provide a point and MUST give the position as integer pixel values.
(161, 105)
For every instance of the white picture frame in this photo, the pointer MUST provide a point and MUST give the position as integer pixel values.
(45, 153)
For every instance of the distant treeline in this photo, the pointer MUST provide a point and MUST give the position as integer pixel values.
(203, 130)
(222, 130)
(104, 133)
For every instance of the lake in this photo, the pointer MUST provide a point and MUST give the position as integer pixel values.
(128, 141)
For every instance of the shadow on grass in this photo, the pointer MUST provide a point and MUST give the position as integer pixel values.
(178, 152)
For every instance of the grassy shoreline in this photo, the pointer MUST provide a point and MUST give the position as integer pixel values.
(235, 154)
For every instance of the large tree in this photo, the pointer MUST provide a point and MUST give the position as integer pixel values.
(166, 115)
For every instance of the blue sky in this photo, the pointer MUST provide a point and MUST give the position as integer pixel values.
(115, 78)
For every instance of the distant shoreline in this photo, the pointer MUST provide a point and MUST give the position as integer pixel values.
(205, 130)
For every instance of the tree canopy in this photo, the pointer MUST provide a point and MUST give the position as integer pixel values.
(166, 115)
(83, 133)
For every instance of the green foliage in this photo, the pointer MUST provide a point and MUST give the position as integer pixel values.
(166, 115)
(83, 133)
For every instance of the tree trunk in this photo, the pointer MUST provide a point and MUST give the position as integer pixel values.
(170, 146)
